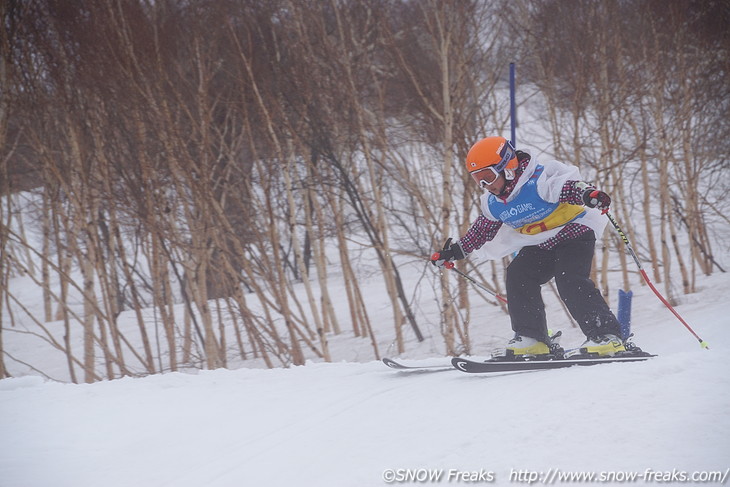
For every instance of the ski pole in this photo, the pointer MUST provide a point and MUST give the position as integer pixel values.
(452, 266)
(623, 236)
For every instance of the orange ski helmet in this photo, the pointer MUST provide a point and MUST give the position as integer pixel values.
(492, 151)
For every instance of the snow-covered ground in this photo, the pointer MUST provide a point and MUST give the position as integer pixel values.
(362, 424)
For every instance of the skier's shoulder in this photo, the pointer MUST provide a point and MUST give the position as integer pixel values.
(553, 176)
(552, 165)
(552, 168)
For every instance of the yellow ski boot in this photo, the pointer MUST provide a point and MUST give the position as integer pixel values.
(603, 346)
(521, 347)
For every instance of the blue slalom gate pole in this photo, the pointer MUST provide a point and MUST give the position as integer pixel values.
(624, 312)
(512, 104)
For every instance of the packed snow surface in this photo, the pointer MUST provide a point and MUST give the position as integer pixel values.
(363, 424)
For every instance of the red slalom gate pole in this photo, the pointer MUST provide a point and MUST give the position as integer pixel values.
(623, 236)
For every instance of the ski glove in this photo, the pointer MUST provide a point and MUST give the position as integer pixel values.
(594, 198)
(450, 253)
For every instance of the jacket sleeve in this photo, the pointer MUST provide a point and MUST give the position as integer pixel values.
(572, 192)
(481, 231)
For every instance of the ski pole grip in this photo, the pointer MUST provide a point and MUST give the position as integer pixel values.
(437, 256)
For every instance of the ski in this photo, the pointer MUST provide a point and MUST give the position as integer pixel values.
(507, 365)
(399, 366)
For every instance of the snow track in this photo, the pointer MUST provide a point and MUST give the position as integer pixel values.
(345, 424)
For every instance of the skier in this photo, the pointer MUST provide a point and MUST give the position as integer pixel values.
(544, 210)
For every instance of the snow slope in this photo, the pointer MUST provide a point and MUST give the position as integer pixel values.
(346, 424)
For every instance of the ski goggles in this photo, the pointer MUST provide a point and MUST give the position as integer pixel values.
(486, 177)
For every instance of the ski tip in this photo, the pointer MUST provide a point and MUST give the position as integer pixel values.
(392, 364)
(459, 363)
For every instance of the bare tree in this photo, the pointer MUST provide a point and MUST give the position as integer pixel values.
(215, 161)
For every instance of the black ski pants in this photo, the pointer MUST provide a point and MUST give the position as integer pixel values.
(569, 262)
